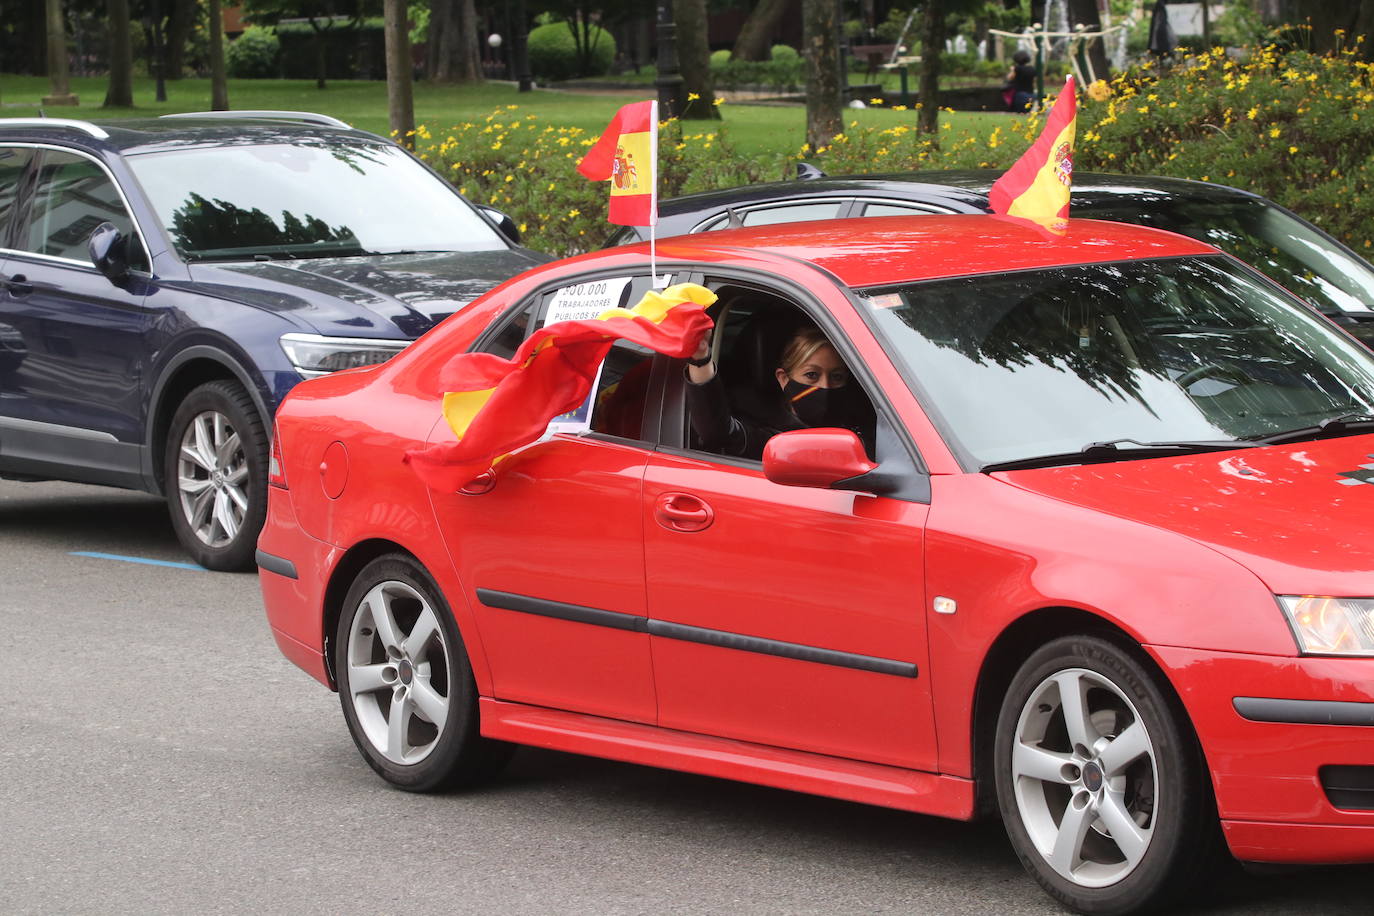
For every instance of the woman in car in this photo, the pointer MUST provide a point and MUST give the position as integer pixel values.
(809, 386)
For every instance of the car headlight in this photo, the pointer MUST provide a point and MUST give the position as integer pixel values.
(1331, 626)
(314, 354)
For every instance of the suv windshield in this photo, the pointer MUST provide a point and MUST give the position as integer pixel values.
(288, 200)
(1185, 350)
(1306, 262)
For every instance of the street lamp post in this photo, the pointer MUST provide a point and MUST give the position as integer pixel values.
(669, 80)
(522, 56)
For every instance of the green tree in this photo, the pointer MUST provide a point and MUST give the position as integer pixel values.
(694, 61)
(120, 93)
(756, 35)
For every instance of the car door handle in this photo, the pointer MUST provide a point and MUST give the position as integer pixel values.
(683, 512)
(18, 285)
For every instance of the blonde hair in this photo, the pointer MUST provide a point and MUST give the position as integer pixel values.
(805, 343)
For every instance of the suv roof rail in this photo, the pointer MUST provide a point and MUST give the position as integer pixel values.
(85, 127)
(308, 117)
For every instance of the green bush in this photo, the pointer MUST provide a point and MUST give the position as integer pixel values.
(719, 59)
(553, 53)
(253, 55)
(783, 54)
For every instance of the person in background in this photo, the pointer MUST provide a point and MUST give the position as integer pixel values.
(1020, 89)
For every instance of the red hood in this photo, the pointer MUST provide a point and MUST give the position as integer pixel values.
(1299, 516)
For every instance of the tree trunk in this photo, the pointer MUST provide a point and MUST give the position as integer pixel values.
(59, 72)
(694, 61)
(1085, 13)
(468, 66)
(179, 27)
(436, 64)
(755, 39)
(400, 103)
(219, 83)
(321, 57)
(120, 94)
(932, 44)
(819, 20)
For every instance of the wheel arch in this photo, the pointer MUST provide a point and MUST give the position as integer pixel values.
(1010, 650)
(340, 580)
(186, 371)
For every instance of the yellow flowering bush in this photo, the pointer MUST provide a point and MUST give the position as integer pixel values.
(528, 169)
(1287, 126)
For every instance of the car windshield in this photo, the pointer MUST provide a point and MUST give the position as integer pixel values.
(290, 200)
(1289, 251)
(1182, 350)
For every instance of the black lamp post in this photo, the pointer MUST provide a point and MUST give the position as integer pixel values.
(669, 81)
(520, 34)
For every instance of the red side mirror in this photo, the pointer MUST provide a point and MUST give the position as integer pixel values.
(814, 457)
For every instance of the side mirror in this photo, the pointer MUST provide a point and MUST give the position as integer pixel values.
(815, 458)
(503, 222)
(109, 251)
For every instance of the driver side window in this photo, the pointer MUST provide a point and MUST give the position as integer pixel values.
(72, 196)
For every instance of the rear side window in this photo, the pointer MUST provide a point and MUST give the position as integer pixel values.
(13, 163)
(72, 196)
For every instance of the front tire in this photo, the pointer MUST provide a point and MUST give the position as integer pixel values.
(215, 467)
(1100, 781)
(405, 683)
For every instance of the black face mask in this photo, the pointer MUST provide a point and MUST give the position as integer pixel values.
(822, 406)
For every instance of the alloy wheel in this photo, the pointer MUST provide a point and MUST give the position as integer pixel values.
(398, 677)
(1085, 778)
(212, 478)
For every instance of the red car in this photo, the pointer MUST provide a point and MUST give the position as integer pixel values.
(1101, 559)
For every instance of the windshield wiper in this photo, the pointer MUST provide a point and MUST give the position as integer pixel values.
(1346, 425)
(1102, 452)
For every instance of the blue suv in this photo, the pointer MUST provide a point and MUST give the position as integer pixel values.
(164, 283)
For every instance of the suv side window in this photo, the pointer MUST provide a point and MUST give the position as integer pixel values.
(72, 196)
(13, 165)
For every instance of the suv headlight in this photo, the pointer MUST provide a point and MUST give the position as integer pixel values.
(1331, 626)
(315, 355)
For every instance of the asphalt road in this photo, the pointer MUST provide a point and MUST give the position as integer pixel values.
(157, 755)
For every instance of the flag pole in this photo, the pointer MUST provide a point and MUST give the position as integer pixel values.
(653, 206)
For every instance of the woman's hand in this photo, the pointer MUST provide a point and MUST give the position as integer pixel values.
(700, 375)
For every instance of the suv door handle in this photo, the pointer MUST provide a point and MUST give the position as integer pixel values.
(683, 512)
(18, 285)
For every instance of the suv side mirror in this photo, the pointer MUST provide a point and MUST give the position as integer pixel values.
(109, 251)
(815, 458)
(503, 222)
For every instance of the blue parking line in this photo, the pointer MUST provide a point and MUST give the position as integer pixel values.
(143, 560)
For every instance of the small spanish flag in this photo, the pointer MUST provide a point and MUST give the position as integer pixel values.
(627, 155)
(496, 405)
(1037, 186)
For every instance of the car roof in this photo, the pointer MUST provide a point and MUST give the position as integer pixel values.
(875, 251)
(969, 186)
(149, 134)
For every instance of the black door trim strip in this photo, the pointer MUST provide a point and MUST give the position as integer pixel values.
(1305, 712)
(574, 612)
(685, 633)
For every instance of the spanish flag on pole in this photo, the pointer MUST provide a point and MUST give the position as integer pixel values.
(1037, 186)
(627, 155)
(496, 405)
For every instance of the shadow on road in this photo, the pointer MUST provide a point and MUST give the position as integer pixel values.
(77, 517)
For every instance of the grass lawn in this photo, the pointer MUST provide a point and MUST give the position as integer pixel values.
(757, 130)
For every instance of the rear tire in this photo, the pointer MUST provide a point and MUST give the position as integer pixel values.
(215, 473)
(405, 683)
(1101, 784)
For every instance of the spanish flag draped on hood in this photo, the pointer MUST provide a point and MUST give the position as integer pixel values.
(1037, 186)
(496, 405)
(627, 155)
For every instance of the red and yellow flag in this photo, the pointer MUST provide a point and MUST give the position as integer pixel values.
(627, 156)
(1037, 186)
(496, 405)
